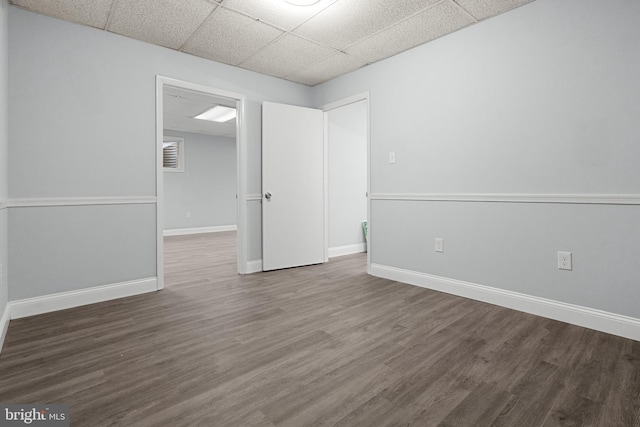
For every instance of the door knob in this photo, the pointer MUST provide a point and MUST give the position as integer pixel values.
(267, 196)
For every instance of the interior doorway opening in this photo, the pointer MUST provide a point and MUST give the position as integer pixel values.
(347, 155)
(199, 173)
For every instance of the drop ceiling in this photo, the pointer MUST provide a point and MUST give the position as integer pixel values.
(180, 106)
(304, 44)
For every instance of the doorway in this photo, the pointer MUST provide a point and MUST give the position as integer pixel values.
(347, 149)
(183, 144)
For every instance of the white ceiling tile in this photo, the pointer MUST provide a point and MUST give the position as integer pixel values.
(482, 9)
(277, 12)
(331, 67)
(435, 22)
(230, 37)
(347, 21)
(156, 21)
(94, 13)
(286, 55)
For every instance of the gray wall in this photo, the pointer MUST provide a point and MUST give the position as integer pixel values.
(347, 128)
(206, 188)
(541, 100)
(4, 146)
(82, 114)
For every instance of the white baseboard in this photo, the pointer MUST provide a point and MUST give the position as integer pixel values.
(48, 303)
(347, 250)
(4, 324)
(198, 230)
(254, 266)
(603, 321)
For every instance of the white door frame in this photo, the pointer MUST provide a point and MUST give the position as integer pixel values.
(241, 168)
(363, 96)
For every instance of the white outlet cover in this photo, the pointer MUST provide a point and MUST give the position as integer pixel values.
(439, 244)
(564, 261)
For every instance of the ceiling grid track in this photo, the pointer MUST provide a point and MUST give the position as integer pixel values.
(202, 24)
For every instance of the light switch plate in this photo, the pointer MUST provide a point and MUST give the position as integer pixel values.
(392, 157)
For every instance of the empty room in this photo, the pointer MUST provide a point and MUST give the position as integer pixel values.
(320, 212)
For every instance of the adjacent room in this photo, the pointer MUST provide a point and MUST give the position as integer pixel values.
(320, 212)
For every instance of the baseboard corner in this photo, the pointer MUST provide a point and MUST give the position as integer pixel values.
(356, 248)
(4, 324)
(254, 266)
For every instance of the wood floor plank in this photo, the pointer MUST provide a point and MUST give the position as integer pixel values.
(533, 397)
(479, 408)
(319, 345)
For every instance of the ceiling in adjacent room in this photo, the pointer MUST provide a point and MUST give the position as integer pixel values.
(180, 106)
(304, 44)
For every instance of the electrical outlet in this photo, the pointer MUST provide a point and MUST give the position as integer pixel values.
(564, 261)
(188, 214)
(439, 244)
(392, 156)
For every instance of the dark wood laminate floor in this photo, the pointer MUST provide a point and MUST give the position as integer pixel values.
(320, 345)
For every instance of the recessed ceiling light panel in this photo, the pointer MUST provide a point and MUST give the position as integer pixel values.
(219, 114)
(302, 2)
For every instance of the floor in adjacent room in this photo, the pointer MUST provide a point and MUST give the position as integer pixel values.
(319, 345)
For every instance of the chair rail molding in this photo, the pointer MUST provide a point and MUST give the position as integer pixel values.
(588, 199)
(80, 201)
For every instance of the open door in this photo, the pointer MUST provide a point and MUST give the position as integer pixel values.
(292, 186)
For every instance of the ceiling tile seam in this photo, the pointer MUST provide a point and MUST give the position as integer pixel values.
(262, 48)
(315, 63)
(314, 15)
(388, 27)
(334, 50)
(306, 67)
(284, 30)
(255, 18)
(463, 10)
(112, 11)
(316, 42)
(204, 21)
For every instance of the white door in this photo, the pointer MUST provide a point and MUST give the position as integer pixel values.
(292, 186)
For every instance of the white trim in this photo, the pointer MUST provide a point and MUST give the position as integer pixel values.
(160, 81)
(61, 301)
(347, 249)
(592, 199)
(368, 237)
(241, 155)
(599, 320)
(242, 169)
(252, 197)
(325, 173)
(254, 266)
(4, 324)
(362, 96)
(199, 230)
(80, 201)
